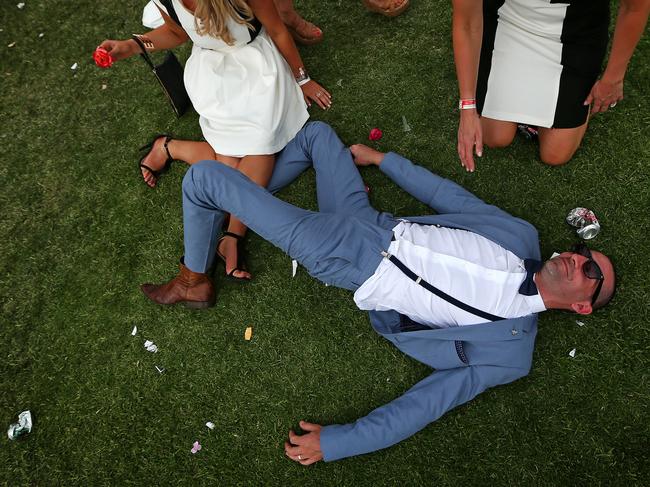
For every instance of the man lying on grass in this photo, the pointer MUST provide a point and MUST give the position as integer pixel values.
(459, 291)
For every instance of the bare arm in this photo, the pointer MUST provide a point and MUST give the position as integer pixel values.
(167, 36)
(630, 24)
(467, 33)
(268, 15)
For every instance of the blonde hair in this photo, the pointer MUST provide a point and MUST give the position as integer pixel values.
(213, 15)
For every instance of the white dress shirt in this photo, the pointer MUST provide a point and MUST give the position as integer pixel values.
(463, 264)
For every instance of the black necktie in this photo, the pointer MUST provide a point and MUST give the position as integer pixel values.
(528, 287)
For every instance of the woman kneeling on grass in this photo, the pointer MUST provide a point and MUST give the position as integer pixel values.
(246, 80)
(536, 62)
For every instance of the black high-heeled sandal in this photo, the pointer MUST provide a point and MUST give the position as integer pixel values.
(148, 148)
(241, 260)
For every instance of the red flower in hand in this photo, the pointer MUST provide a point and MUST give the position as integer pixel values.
(375, 134)
(102, 58)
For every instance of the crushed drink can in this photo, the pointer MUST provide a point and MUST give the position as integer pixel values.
(585, 221)
(22, 427)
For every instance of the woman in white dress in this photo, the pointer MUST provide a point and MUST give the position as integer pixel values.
(246, 80)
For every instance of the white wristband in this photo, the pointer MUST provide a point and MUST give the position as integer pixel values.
(304, 81)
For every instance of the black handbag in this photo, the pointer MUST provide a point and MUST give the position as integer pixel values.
(170, 76)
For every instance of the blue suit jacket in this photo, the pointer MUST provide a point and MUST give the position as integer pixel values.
(467, 359)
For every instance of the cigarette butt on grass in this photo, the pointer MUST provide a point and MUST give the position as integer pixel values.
(248, 334)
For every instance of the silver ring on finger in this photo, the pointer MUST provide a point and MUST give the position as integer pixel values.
(299, 457)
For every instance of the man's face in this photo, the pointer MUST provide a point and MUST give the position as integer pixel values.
(565, 278)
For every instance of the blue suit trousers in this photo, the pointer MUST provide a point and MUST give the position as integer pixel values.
(340, 244)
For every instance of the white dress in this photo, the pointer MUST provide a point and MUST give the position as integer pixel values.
(246, 95)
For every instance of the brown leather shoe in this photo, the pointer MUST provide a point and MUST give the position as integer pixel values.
(193, 289)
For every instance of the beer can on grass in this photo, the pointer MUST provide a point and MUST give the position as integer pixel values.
(22, 427)
(585, 221)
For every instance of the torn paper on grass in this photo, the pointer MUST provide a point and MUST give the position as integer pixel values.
(580, 323)
(150, 346)
(134, 332)
(196, 447)
(294, 267)
(572, 353)
(160, 369)
(405, 125)
(248, 334)
(210, 425)
(74, 66)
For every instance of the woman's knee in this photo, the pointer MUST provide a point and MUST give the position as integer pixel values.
(555, 156)
(497, 140)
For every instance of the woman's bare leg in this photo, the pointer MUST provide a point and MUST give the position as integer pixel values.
(557, 146)
(497, 133)
(302, 30)
(259, 169)
(188, 151)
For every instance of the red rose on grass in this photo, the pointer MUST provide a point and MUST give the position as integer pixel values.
(375, 134)
(102, 58)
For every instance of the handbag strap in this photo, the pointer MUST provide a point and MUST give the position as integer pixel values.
(441, 294)
(143, 51)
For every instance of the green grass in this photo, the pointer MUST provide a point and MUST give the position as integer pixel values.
(80, 232)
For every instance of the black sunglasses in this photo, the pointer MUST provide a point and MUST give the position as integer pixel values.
(590, 268)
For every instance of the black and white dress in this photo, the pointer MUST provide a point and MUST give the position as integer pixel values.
(540, 59)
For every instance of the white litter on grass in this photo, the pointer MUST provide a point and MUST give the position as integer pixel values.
(339, 83)
(11, 45)
(74, 66)
(572, 353)
(134, 332)
(580, 323)
(196, 447)
(160, 369)
(294, 267)
(20, 5)
(405, 125)
(104, 87)
(150, 346)
(210, 425)
(42, 34)
(554, 255)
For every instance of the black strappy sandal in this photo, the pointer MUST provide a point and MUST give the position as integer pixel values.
(241, 261)
(148, 148)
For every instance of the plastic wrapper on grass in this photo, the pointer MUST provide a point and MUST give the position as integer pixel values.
(22, 427)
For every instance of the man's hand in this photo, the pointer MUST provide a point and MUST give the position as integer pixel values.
(304, 449)
(366, 156)
(470, 138)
